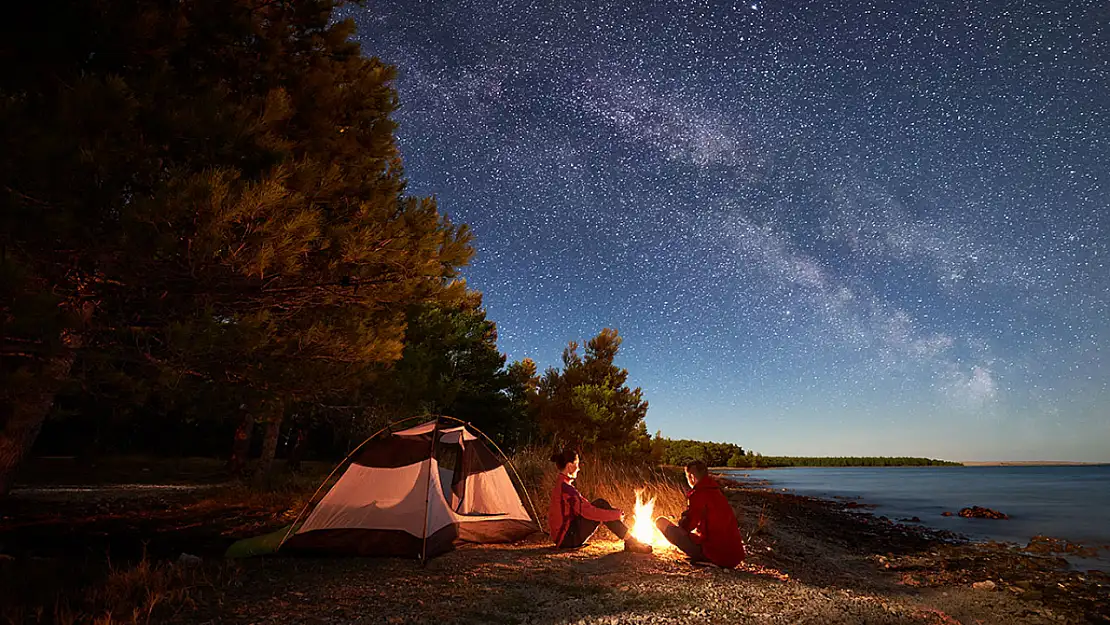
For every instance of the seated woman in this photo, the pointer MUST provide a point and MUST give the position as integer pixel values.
(572, 520)
(708, 531)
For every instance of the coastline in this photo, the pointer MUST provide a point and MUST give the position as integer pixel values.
(1073, 530)
(929, 558)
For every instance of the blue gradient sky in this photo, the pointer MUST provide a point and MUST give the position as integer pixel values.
(852, 228)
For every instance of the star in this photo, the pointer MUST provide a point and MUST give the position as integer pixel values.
(802, 224)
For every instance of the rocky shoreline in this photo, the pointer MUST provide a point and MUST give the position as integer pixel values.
(923, 557)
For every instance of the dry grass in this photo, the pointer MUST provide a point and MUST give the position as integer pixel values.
(616, 482)
(139, 594)
(288, 491)
(762, 524)
(136, 594)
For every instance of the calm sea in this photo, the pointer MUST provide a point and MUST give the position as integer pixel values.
(1070, 502)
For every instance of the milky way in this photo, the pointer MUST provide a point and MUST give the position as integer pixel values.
(821, 228)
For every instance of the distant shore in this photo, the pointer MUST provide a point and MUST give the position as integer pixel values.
(969, 463)
(1032, 463)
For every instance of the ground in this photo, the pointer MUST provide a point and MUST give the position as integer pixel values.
(810, 561)
(530, 583)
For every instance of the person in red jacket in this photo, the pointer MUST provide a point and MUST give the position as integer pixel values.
(572, 520)
(708, 530)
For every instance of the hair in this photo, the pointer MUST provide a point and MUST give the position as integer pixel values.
(564, 457)
(697, 468)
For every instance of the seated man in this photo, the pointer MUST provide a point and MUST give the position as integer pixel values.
(708, 530)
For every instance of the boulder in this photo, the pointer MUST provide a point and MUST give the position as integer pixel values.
(976, 512)
(1049, 545)
(188, 559)
(984, 585)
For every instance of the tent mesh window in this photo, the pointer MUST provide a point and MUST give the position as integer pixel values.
(451, 475)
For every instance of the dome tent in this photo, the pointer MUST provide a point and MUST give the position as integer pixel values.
(415, 493)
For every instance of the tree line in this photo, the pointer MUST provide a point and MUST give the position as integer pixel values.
(759, 460)
(679, 452)
(206, 246)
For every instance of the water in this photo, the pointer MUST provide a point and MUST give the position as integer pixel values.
(1069, 502)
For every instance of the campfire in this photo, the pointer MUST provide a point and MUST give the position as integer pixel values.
(643, 529)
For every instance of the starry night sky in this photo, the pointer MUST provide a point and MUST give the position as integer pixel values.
(822, 228)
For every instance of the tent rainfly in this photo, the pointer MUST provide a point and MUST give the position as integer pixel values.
(415, 493)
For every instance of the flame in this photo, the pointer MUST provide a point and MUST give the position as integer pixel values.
(643, 529)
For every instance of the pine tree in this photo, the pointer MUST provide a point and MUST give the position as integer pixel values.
(451, 365)
(524, 395)
(589, 402)
(211, 189)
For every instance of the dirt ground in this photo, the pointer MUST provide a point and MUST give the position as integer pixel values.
(810, 561)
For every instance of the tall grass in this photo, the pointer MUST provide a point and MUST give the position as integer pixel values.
(135, 594)
(598, 477)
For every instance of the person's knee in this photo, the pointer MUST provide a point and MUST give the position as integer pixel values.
(662, 523)
(601, 503)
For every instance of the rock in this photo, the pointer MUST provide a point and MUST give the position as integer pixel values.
(910, 520)
(1043, 544)
(984, 585)
(1095, 574)
(976, 512)
(1048, 545)
(946, 513)
(188, 559)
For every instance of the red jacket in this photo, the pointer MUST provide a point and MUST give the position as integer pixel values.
(712, 524)
(567, 503)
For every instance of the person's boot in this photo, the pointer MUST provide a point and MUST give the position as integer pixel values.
(635, 546)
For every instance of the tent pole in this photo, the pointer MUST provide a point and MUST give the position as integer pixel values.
(341, 463)
(428, 493)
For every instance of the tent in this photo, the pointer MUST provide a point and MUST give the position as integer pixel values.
(415, 493)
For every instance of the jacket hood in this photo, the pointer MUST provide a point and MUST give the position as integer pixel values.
(705, 483)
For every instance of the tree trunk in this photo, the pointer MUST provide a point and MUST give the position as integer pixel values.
(242, 445)
(29, 407)
(269, 443)
(296, 450)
